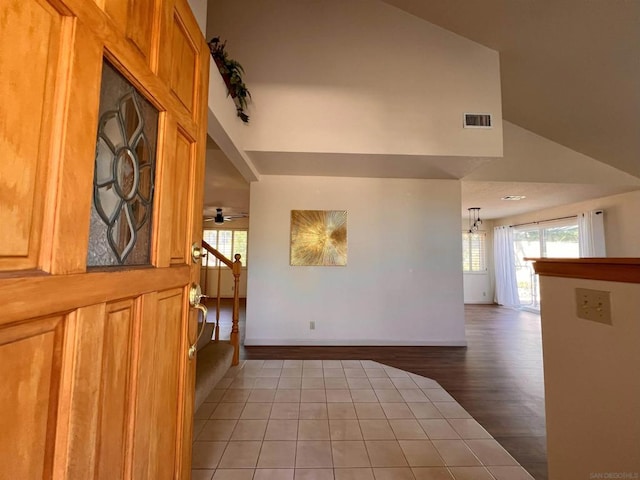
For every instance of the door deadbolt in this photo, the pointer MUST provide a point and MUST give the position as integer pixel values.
(195, 294)
(197, 252)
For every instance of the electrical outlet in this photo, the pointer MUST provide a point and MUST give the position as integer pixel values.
(594, 305)
(312, 325)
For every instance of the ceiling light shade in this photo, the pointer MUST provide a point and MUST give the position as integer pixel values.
(474, 219)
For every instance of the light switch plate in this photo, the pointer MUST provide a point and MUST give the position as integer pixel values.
(594, 305)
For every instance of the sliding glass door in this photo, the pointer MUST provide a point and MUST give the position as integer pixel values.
(558, 239)
(526, 244)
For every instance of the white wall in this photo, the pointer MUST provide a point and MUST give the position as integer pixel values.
(358, 76)
(199, 9)
(403, 280)
(621, 229)
(592, 386)
(224, 126)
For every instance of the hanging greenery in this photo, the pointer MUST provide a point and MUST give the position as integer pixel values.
(232, 73)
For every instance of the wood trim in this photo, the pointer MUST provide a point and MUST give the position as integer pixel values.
(67, 244)
(217, 254)
(163, 213)
(143, 398)
(626, 270)
(61, 293)
(186, 390)
(187, 368)
(137, 333)
(75, 452)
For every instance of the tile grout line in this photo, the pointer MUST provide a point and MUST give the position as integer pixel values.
(326, 403)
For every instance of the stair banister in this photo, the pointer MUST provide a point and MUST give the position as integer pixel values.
(236, 270)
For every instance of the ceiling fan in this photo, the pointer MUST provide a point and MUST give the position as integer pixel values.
(219, 218)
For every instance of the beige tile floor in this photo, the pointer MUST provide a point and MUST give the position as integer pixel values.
(340, 420)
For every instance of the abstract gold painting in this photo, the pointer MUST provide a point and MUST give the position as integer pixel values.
(318, 237)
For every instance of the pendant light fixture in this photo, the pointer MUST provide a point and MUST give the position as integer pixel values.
(474, 219)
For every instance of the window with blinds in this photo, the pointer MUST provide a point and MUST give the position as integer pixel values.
(227, 242)
(473, 252)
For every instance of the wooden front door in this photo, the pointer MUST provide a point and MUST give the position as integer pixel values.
(95, 236)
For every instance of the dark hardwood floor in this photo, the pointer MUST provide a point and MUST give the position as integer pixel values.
(497, 378)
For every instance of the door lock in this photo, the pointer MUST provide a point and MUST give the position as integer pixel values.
(197, 252)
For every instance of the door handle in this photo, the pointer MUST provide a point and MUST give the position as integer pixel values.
(194, 346)
(195, 294)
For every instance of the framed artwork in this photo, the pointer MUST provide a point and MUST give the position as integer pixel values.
(318, 237)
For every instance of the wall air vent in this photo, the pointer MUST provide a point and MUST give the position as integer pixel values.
(477, 120)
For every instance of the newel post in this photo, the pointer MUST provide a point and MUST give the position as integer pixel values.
(217, 332)
(235, 335)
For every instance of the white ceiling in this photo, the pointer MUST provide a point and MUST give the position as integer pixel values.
(570, 72)
(539, 196)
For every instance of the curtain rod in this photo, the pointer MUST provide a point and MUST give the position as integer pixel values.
(543, 221)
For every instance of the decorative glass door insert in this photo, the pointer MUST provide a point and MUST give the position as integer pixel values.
(120, 230)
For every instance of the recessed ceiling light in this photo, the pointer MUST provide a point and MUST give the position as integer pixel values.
(513, 197)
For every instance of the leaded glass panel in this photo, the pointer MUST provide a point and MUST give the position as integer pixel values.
(120, 229)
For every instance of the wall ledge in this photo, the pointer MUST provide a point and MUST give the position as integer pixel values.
(626, 270)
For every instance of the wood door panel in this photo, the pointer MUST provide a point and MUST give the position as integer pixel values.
(117, 10)
(81, 382)
(95, 379)
(181, 196)
(66, 223)
(158, 389)
(153, 80)
(143, 26)
(30, 372)
(138, 18)
(167, 370)
(25, 121)
(184, 63)
(145, 384)
(114, 396)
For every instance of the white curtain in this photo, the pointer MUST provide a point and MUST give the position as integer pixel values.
(505, 268)
(591, 234)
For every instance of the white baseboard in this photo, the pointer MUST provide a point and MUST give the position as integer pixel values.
(273, 342)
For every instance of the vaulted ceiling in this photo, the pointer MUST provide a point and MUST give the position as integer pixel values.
(570, 75)
(570, 69)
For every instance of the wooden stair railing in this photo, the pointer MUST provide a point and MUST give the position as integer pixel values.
(236, 269)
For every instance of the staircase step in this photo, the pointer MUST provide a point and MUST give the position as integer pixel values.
(212, 363)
